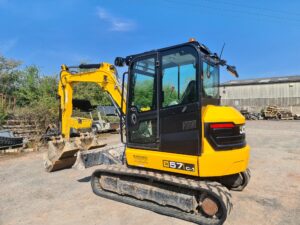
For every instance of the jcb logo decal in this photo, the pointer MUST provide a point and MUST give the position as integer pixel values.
(179, 165)
(166, 163)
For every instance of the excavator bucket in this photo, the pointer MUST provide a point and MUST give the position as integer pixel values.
(88, 141)
(61, 154)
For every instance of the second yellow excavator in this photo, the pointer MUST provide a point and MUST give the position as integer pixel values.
(62, 152)
(183, 151)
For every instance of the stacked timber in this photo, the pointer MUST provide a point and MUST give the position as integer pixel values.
(23, 128)
(275, 112)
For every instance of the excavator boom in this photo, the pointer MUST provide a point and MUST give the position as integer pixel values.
(104, 75)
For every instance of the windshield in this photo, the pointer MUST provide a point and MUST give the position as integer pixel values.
(210, 80)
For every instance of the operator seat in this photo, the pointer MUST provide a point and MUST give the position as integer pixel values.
(189, 94)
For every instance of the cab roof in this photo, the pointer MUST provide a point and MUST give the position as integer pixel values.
(195, 44)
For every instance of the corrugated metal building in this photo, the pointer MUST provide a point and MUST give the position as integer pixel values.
(255, 94)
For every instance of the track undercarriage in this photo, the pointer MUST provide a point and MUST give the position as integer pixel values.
(198, 201)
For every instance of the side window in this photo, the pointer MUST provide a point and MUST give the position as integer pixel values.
(179, 78)
(143, 91)
(210, 80)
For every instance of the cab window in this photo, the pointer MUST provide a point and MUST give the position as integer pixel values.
(179, 77)
(210, 80)
(142, 94)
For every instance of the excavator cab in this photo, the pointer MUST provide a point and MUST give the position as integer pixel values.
(163, 100)
(173, 107)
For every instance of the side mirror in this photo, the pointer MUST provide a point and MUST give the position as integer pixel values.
(119, 61)
(232, 70)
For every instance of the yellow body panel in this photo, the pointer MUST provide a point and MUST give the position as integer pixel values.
(210, 163)
(155, 160)
(218, 114)
(80, 123)
(220, 163)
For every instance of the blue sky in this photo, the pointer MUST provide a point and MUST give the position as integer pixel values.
(262, 37)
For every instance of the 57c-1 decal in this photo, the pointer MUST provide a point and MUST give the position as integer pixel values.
(179, 165)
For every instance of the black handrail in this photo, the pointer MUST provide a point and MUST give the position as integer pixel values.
(122, 118)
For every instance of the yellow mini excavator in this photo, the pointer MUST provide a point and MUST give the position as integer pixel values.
(183, 151)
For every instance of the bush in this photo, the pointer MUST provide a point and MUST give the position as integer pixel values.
(3, 115)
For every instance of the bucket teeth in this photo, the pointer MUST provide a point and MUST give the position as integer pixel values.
(61, 154)
(88, 142)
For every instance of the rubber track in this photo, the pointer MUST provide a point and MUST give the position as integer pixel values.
(215, 189)
(246, 176)
(10, 141)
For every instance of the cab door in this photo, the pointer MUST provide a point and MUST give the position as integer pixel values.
(142, 111)
(179, 108)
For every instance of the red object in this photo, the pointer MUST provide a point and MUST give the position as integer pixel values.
(221, 125)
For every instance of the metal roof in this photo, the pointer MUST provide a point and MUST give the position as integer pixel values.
(265, 80)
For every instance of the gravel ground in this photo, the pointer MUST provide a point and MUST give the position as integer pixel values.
(29, 195)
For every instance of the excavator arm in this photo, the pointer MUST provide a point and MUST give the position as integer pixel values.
(104, 75)
(62, 153)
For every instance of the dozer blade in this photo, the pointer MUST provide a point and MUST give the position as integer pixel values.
(61, 155)
(111, 154)
(86, 142)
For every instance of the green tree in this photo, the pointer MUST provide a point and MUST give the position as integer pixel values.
(9, 75)
(143, 94)
(91, 92)
(3, 115)
(28, 87)
(170, 95)
(36, 96)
